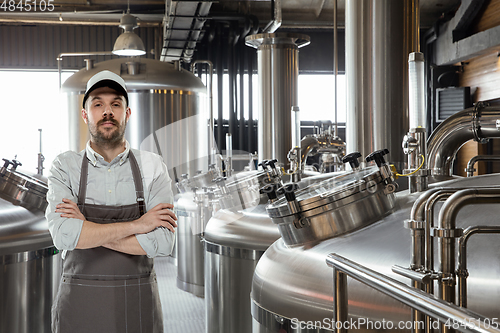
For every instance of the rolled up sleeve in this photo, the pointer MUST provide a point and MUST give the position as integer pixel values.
(160, 241)
(65, 232)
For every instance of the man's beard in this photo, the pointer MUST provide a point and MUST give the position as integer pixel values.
(110, 138)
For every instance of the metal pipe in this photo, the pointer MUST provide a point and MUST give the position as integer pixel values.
(278, 68)
(412, 297)
(335, 63)
(462, 259)
(212, 151)
(277, 17)
(339, 300)
(411, 274)
(478, 123)
(75, 54)
(470, 165)
(447, 231)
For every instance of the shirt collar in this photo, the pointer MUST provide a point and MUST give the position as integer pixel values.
(96, 158)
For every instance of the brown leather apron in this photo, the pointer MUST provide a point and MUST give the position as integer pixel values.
(102, 290)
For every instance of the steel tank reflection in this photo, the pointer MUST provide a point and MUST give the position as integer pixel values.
(30, 264)
(292, 288)
(167, 117)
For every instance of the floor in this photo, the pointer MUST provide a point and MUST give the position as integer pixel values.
(182, 311)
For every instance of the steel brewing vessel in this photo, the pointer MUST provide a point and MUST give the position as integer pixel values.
(292, 289)
(30, 264)
(194, 206)
(235, 239)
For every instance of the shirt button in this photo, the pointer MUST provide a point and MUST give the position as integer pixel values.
(109, 191)
(109, 170)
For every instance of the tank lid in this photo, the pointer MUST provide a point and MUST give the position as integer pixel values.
(21, 188)
(243, 189)
(330, 191)
(139, 74)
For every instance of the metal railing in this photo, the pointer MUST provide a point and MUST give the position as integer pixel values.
(432, 306)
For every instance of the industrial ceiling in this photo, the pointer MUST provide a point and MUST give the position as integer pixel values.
(182, 22)
(296, 13)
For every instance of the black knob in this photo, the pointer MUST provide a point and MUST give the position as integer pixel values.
(263, 164)
(288, 190)
(352, 159)
(272, 163)
(193, 189)
(15, 164)
(378, 157)
(270, 190)
(6, 162)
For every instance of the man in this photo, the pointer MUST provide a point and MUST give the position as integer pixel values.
(110, 212)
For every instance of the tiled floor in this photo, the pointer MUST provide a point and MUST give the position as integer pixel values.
(182, 311)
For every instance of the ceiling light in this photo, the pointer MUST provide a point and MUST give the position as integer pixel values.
(128, 43)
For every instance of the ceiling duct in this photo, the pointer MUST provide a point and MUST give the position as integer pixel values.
(182, 28)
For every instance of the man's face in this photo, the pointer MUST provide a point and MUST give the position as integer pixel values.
(106, 114)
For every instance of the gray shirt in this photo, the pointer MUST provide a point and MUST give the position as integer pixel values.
(108, 184)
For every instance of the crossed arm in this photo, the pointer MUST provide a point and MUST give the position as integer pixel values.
(118, 236)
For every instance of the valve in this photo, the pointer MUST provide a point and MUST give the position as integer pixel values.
(288, 190)
(270, 190)
(263, 164)
(15, 164)
(6, 163)
(352, 159)
(378, 157)
(272, 163)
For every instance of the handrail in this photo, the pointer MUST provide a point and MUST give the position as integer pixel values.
(429, 304)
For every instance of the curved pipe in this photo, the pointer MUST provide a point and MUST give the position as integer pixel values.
(312, 144)
(470, 165)
(462, 258)
(478, 123)
(447, 223)
(277, 17)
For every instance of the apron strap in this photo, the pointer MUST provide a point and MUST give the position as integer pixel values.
(82, 192)
(136, 173)
(139, 190)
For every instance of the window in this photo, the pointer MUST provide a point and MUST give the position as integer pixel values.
(30, 101)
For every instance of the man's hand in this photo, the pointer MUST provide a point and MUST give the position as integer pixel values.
(70, 210)
(159, 216)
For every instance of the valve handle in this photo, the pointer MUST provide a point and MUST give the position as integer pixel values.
(15, 164)
(352, 159)
(270, 190)
(263, 164)
(288, 190)
(378, 156)
(272, 163)
(6, 163)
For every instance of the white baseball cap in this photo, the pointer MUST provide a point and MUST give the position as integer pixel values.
(106, 79)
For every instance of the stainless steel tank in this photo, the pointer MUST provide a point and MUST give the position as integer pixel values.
(30, 264)
(167, 106)
(278, 67)
(376, 60)
(235, 239)
(292, 289)
(194, 206)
